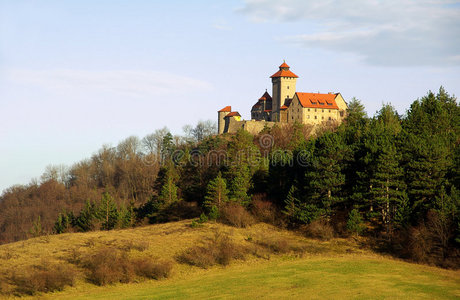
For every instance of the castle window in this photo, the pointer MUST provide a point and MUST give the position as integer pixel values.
(341, 113)
(322, 117)
(330, 118)
(322, 110)
(329, 111)
(308, 109)
(315, 109)
(288, 87)
(316, 117)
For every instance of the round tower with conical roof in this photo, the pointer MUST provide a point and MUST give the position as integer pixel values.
(283, 82)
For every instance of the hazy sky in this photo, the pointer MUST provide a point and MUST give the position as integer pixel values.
(75, 75)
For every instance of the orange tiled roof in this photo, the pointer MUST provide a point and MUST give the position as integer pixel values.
(316, 100)
(263, 98)
(226, 109)
(233, 114)
(284, 73)
(284, 65)
(283, 107)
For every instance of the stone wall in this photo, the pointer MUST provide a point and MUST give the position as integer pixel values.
(251, 126)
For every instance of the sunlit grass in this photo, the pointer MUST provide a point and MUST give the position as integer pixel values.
(328, 269)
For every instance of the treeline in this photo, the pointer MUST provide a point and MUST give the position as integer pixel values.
(128, 172)
(392, 178)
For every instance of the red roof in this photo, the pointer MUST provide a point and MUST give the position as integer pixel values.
(283, 107)
(233, 114)
(284, 73)
(316, 100)
(284, 65)
(226, 109)
(263, 98)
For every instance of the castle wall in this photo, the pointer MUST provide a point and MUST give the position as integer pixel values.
(221, 121)
(342, 107)
(251, 126)
(295, 111)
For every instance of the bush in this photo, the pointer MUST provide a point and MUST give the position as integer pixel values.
(203, 218)
(148, 268)
(319, 229)
(218, 250)
(213, 213)
(43, 278)
(236, 215)
(263, 210)
(108, 266)
(355, 222)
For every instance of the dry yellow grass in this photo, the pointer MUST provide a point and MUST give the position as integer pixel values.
(165, 241)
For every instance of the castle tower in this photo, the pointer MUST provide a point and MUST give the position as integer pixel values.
(221, 118)
(284, 82)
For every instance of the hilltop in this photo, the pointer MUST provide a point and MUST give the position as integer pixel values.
(279, 263)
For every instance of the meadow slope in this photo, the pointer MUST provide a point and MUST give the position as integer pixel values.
(338, 268)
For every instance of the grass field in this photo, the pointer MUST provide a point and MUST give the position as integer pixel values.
(327, 269)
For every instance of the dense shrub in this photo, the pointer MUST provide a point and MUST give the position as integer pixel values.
(263, 210)
(218, 250)
(236, 215)
(319, 229)
(43, 278)
(148, 268)
(108, 266)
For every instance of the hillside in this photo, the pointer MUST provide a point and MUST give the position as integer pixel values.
(281, 263)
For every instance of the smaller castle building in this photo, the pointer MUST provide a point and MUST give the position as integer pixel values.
(286, 106)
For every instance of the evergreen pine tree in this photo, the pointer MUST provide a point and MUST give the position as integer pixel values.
(217, 193)
(326, 178)
(84, 221)
(107, 212)
(62, 223)
(168, 192)
(299, 211)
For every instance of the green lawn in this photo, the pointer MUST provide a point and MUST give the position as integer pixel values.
(300, 278)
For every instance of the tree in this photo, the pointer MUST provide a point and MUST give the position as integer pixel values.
(325, 177)
(428, 142)
(244, 160)
(355, 222)
(168, 192)
(84, 221)
(107, 212)
(126, 216)
(37, 229)
(217, 193)
(63, 223)
(153, 143)
(167, 146)
(298, 211)
(202, 130)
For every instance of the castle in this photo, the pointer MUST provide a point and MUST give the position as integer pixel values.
(286, 106)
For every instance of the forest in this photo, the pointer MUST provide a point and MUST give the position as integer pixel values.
(390, 179)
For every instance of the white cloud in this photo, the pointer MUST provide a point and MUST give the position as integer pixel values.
(124, 83)
(221, 24)
(391, 32)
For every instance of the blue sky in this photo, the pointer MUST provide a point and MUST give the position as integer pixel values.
(75, 75)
